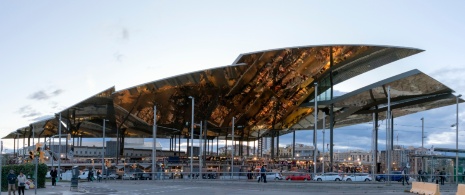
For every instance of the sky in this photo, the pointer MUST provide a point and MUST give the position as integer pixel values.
(54, 54)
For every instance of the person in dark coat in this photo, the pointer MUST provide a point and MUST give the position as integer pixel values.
(263, 174)
(54, 174)
(11, 182)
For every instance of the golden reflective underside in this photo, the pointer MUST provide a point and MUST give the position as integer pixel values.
(262, 90)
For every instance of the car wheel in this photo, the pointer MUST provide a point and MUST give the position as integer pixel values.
(382, 180)
(337, 179)
(305, 179)
(347, 179)
(289, 179)
(319, 179)
(367, 180)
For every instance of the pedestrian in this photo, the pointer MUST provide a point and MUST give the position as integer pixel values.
(404, 176)
(11, 182)
(99, 176)
(419, 175)
(443, 175)
(21, 183)
(54, 174)
(436, 176)
(263, 174)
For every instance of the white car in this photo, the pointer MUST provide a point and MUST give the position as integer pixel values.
(270, 176)
(358, 177)
(328, 177)
(128, 176)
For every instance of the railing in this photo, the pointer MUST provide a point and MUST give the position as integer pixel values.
(283, 176)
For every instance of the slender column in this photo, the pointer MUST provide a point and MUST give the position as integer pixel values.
(388, 135)
(154, 145)
(331, 112)
(315, 113)
(293, 145)
(59, 147)
(232, 150)
(192, 134)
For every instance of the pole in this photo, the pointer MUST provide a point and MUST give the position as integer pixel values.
(388, 135)
(192, 135)
(200, 151)
(36, 161)
(457, 141)
(232, 148)
(323, 158)
(103, 149)
(59, 148)
(154, 146)
(315, 113)
(33, 136)
(422, 131)
(373, 150)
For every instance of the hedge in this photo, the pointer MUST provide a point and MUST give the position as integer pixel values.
(28, 170)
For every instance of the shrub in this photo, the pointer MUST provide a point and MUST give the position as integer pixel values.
(28, 170)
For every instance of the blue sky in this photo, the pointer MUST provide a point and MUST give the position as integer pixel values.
(57, 53)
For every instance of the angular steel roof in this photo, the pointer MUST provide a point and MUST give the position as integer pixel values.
(260, 89)
(411, 92)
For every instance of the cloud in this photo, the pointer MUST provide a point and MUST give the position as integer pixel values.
(57, 92)
(43, 95)
(39, 95)
(118, 56)
(41, 118)
(125, 34)
(28, 111)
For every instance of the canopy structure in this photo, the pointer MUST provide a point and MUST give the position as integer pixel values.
(410, 92)
(265, 91)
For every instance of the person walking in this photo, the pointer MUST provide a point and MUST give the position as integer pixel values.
(263, 174)
(54, 174)
(21, 183)
(419, 175)
(443, 175)
(11, 182)
(99, 176)
(404, 176)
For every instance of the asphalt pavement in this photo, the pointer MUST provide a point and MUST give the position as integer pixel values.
(219, 187)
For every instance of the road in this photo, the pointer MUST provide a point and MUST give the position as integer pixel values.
(220, 187)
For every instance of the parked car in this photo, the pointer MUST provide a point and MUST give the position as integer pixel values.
(126, 176)
(269, 176)
(328, 177)
(145, 176)
(357, 177)
(395, 176)
(111, 176)
(305, 177)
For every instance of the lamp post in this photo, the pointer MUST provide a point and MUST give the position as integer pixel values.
(192, 136)
(315, 113)
(103, 146)
(232, 148)
(422, 131)
(457, 140)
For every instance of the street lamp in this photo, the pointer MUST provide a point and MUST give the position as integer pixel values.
(192, 135)
(422, 131)
(457, 140)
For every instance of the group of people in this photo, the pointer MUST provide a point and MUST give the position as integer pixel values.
(13, 179)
